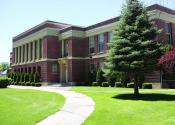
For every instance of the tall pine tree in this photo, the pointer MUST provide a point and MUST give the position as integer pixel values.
(133, 49)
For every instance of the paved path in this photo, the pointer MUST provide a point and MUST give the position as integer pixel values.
(75, 110)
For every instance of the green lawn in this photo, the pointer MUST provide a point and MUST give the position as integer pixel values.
(27, 107)
(116, 106)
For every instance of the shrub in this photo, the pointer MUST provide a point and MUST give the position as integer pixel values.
(32, 84)
(100, 78)
(118, 84)
(4, 82)
(105, 84)
(36, 77)
(95, 84)
(112, 84)
(17, 78)
(130, 85)
(125, 79)
(147, 86)
(28, 84)
(31, 77)
(21, 77)
(91, 78)
(112, 77)
(26, 77)
(38, 84)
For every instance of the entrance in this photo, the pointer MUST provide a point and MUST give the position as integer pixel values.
(63, 73)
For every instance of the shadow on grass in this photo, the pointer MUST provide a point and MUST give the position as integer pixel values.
(146, 97)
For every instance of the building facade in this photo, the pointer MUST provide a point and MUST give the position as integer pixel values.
(62, 52)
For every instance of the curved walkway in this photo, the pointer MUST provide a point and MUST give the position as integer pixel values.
(75, 111)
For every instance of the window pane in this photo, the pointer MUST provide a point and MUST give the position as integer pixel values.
(54, 68)
(91, 44)
(101, 42)
(110, 35)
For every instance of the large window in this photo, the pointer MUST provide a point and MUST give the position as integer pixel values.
(91, 44)
(101, 43)
(168, 31)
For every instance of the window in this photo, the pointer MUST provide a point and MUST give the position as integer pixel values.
(92, 68)
(65, 48)
(110, 35)
(91, 44)
(168, 31)
(54, 68)
(101, 65)
(101, 43)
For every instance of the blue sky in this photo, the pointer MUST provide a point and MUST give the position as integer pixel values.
(20, 15)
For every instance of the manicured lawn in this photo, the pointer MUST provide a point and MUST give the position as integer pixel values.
(27, 107)
(116, 106)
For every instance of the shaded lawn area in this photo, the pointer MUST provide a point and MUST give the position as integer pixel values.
(117, 106)
(27, 107)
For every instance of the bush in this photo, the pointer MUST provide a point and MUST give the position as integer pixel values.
(21, 77)
(28, 84)
(38, 84)
(118, 84)
(112, 77)
(130, 85)
(105, 84)
(125, 79)
(112, 84)
(36, 77)
(17, 78)
(147, 86)
(32, 84)
(31, 77)
(95, 84)
(100, 78)
(26, 77)
(91, 78)
(4, 82)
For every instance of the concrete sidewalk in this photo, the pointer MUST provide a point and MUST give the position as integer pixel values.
(75, 111)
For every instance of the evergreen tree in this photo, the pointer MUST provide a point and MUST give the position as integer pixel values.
(133, 48)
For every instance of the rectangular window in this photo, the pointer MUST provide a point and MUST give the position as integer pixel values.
(54, 68)
(91, 44)
(110, 35)
(92, 67)
(65, 48)
(168, 31)
(101, 43)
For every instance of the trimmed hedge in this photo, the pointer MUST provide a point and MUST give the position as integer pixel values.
(130, 85)
(4, 82)
(112, 84)
(105, 84)
(95, 84)
(118, 84)
(147, 86)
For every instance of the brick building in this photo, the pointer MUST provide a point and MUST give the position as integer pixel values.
(66, 53)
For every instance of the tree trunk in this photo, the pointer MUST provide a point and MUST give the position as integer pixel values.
(136, 86)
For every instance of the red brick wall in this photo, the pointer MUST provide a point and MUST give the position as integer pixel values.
(46, 70)
(51, 47)
(77, 70)
(80, 47)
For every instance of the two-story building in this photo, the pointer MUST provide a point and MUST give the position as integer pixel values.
(66, 53)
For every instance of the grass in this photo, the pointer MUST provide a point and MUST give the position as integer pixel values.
(117, 106)
(27, 107)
